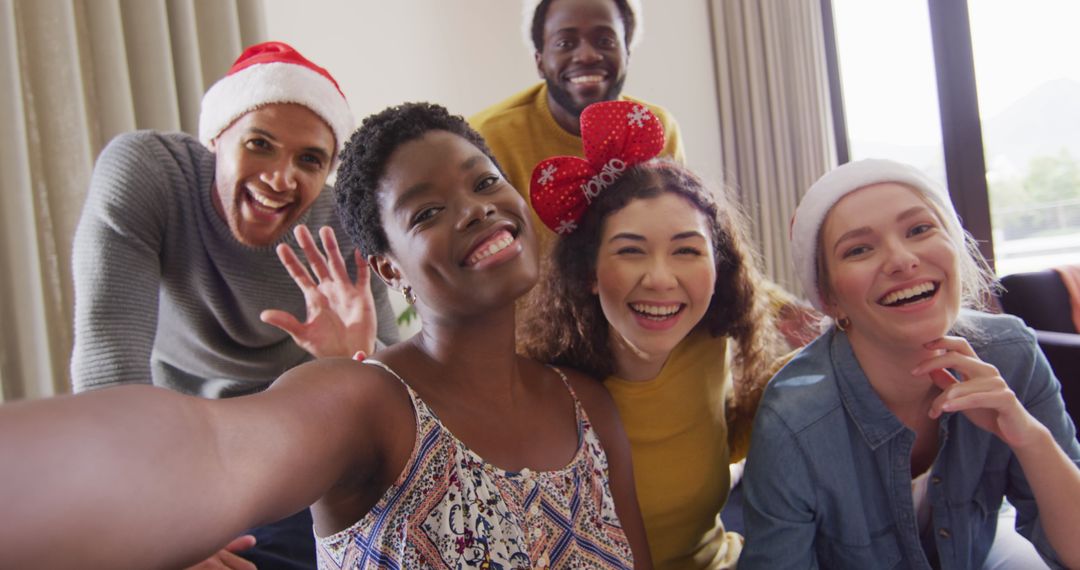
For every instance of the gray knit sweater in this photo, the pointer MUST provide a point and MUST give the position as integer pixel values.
(165, 293)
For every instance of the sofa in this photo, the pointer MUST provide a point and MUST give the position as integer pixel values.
(1042, 300)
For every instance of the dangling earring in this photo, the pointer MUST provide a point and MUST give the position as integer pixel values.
(843, 323)
(410, 297)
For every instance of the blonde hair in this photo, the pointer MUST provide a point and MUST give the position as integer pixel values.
(978, 284)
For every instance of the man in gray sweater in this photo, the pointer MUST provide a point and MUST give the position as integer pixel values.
(179, 251)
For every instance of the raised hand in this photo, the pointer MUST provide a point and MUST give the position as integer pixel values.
(340, 312)
(980, 393)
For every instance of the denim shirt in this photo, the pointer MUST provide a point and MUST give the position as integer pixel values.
(828, 477)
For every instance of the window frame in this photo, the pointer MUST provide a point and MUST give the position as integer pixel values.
(961, 126)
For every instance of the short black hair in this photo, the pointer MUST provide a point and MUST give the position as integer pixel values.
(540, 17)
(363, 164)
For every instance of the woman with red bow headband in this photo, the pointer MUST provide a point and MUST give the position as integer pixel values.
(653, 287)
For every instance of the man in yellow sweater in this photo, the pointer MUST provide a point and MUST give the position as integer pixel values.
(582, 52)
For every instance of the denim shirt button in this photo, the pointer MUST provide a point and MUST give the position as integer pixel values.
(935, 480)
(944, 533)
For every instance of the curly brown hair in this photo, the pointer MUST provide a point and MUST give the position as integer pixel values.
(565, 324)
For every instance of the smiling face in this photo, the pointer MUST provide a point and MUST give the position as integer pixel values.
(584, 57)
(655, 275)
(458, 233)
(271, 164)
(890, 267)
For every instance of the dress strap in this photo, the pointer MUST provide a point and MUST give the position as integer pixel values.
(418, 404)
(579, 412)
(565, 381)
(383, 365)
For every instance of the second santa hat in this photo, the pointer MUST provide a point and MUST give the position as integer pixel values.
(841, 181)
(274, 72)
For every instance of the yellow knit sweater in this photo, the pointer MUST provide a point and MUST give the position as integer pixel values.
(678, 434)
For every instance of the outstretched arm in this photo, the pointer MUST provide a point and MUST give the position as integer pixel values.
(140, 477)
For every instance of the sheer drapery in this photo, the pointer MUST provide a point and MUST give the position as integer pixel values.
(73, 74)
(775, 117)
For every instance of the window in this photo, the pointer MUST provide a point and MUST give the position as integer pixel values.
(1028, 79)
(1004, 129)
(886, 60)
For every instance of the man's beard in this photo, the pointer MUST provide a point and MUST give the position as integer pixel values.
(564, 99)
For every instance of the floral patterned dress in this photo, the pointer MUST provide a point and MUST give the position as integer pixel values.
(451, 509)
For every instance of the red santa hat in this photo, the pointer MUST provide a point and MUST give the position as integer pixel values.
(274, 72)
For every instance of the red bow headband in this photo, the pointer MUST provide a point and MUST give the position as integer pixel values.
(616, 135)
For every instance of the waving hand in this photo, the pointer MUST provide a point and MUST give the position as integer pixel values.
(340, 312)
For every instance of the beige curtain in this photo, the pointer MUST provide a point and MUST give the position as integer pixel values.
(776, 122)
(73, 74)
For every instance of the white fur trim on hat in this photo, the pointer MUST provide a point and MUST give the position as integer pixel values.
(834, 185)
(528, 10)
(266, 83)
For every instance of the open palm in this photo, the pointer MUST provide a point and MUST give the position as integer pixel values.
(341, 316)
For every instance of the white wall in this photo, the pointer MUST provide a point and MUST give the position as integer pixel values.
(468, 54)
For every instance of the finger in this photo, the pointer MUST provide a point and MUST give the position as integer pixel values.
(296, 269)
(942, 378)
(982, 384)
(282, 320)
(952, 344)
(241, 543)
(363, 274)
(981, 400)
(937, 406)
(311, 251)
(960, 391)
(215, 562)
(235, 562)
(333, 254)
(948, 383)
(967, 366)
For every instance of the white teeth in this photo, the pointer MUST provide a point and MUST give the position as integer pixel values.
(656, 310)
(492, 248)
(587, 79)
(908, 293)
(274, 204)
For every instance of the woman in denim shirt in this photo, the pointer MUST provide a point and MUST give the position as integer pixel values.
(890, 441)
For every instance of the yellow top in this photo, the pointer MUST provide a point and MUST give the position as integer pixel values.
(521, 132)
(678, 434)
